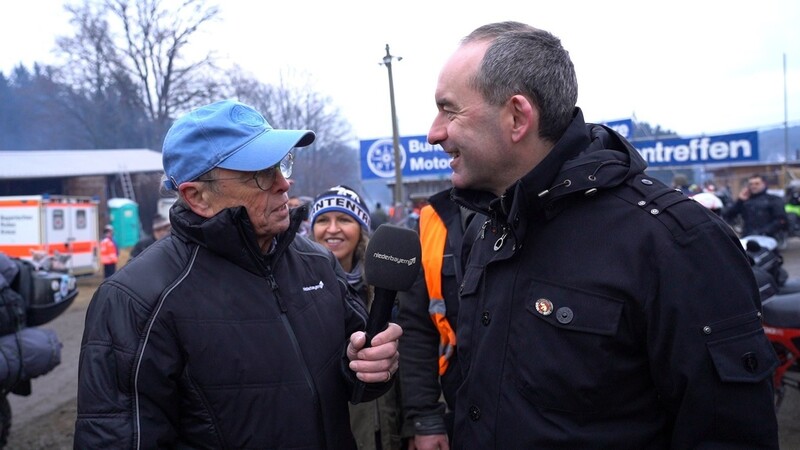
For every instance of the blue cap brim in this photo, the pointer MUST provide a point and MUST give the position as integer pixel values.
(267, 149)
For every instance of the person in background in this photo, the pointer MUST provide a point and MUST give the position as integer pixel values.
(340, 221)
(296, 201)
(792, 209)
(724, 194)
(231, 333)
(761, 212)
(681, 183)
(428, 315)
(109, 253)
(592, 310)
(161, 228)
(378, 216)
(398, 213)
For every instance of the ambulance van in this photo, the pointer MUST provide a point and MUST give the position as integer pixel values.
(31, 224)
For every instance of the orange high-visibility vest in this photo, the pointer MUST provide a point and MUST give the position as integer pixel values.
(108, 251)
(432, 236)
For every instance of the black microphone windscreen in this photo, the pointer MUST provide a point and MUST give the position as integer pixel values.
(392, 258)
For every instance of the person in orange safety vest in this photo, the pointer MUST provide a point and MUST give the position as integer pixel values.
(428, 313)
(109, 254)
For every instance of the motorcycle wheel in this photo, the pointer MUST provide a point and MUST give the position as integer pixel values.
(5, 420)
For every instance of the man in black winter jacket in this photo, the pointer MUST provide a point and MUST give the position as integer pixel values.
(592, 310)
(231, 332)
(761, 212)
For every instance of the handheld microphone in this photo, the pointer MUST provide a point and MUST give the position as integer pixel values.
(391, 264)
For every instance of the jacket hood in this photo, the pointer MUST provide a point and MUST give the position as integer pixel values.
(586, 159)
(230, 235)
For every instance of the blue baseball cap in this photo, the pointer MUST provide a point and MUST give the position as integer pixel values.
(226, 134)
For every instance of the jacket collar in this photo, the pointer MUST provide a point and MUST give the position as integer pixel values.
(230, 235)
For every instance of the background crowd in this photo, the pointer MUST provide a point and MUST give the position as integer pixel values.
(754, 209)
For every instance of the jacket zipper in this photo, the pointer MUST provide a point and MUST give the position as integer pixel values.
(288, 326)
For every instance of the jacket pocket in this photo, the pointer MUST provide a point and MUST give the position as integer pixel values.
(448, 265)
(575, 310)
(744, 358)
(565, 348)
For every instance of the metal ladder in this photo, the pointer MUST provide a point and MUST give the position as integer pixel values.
(127, 185)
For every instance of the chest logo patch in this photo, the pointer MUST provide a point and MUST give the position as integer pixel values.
(314, 287)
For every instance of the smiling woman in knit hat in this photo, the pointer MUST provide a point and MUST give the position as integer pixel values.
(340, 222)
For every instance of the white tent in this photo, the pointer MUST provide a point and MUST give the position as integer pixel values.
(28, 164)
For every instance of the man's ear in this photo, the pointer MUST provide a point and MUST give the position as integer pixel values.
(525, 116)
(195, 198)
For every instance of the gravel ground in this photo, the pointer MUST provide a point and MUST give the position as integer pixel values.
(52, 431)
(46, 419)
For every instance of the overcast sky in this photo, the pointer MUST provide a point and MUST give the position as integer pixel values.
(695, 67)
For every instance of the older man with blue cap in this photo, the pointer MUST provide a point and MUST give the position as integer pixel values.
(229, 333)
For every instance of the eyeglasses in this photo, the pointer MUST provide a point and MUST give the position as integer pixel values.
(266, 178)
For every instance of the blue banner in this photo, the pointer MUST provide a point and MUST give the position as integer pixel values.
(723, 149)
(418, 158)
(624, 127)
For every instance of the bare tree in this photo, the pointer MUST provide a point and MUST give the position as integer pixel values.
(141, 44)
(99, 96)
(331, 159)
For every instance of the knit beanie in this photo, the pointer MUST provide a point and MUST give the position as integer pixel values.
(341, 199)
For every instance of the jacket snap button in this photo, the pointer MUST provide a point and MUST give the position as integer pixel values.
(485, 318)
(474, 413)
(564, 315)
(647, 182)
(750, 362)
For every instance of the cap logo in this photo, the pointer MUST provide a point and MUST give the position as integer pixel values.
(246, 116)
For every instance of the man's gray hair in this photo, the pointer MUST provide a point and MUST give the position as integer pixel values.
(525, 60)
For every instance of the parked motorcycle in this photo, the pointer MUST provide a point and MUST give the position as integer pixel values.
(780, 302)
(765, 256)
(781, 320)
(32, 293)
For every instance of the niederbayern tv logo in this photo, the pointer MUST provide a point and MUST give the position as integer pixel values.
(395, 259)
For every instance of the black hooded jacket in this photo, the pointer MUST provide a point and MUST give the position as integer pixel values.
(202, 342)
(762, 213)
(602, 309)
